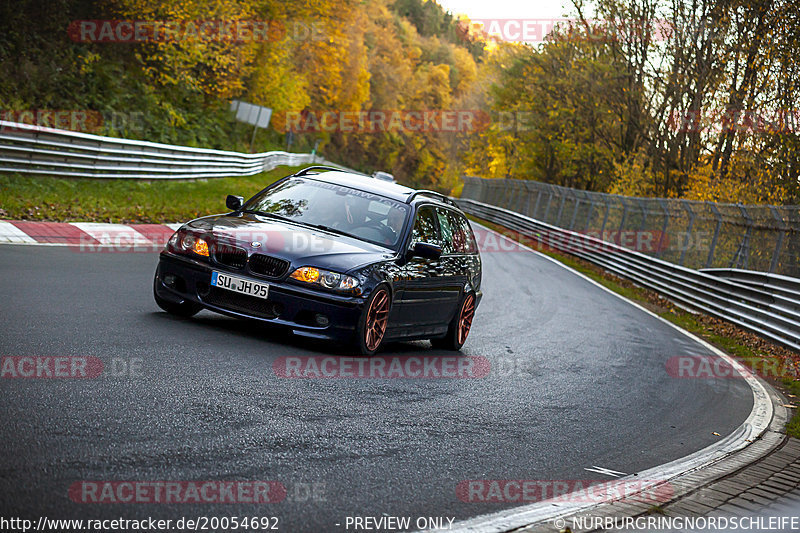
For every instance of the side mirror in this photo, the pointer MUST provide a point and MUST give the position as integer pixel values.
(426, 250)
(234, 203)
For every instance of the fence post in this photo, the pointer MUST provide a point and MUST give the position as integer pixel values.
(536, 207)
(742, 255)
(718, 218)
(684, 246)
(547, 208)
(560, 207)
(660, 250)
(645, 211)
(624, 216)
(575, 213)
(776, 254)
(523, 195)
(607, 202)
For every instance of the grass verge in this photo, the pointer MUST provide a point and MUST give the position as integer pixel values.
(774, 363)
(54, 199)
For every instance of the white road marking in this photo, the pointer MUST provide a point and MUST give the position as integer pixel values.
(10, 233)
(112, 234)
(605, 471)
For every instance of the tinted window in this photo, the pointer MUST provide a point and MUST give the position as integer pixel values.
(463, 238)
(446, 227)
(425, 226)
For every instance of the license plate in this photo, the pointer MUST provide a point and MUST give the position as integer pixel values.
(240, 285)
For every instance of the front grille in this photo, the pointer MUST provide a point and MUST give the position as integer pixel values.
(231, 256)
(243, 303)
(267, 265)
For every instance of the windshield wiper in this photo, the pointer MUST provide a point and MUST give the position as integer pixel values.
(329, 229)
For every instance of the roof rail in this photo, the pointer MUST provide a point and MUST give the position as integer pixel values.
(423, 192)
(305, 171)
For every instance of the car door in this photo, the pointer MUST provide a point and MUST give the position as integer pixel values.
(423, 295)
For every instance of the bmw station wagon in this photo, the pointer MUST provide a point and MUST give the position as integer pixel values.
(331, 255)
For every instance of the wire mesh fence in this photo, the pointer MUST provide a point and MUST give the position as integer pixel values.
(688, 233)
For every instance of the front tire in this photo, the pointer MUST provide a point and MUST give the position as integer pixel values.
(186, 309)
(374, 321)
(459, 327)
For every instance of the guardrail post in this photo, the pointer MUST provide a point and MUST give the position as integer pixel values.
(718, 218)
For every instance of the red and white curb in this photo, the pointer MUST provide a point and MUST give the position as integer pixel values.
(89, 235)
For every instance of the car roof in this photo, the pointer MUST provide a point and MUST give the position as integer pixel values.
(395, 191)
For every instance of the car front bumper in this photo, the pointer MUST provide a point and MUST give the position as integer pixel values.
(180, 279)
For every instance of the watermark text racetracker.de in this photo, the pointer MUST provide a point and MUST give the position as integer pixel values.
(187, 31)
(713, 367)
(538, 30)
(69, 367)
(384, 120)
(176, 492)
(382, 367)
(153, 238)
(645, 241)
(650, 491)
(81, 120)
(401, 367)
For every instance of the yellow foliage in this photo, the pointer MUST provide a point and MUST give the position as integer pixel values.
(633, 177)
(744, 184)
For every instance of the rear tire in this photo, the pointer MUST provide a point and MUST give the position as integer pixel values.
(186, 309)
(374, 321)
(459, 327)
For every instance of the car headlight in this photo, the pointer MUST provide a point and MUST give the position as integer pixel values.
(326, 279)
(183, 242)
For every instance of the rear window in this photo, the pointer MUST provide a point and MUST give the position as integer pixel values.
(463, 239)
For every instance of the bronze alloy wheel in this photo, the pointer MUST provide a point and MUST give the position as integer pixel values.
(465, 319)
(377, 318)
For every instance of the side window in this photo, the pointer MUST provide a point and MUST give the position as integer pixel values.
(463, 238)
(425, 226)
(446, 227)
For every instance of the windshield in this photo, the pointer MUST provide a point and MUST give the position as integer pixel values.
(359, 214)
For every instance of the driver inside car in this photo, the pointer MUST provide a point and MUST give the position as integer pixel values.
(394, 222)
(355, 212)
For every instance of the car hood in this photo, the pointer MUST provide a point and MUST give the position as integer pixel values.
(301, 245)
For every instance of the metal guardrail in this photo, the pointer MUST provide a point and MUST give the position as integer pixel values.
(768, 305)
(37, 150)
(689, 233)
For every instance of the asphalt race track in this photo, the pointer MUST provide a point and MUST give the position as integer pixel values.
(578, 379)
